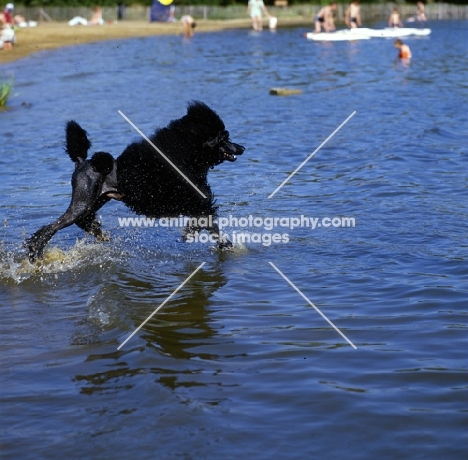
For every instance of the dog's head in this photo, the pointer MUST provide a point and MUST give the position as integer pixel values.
(222, 148)
(208, 126)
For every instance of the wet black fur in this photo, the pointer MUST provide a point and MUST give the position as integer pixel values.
(141, 178)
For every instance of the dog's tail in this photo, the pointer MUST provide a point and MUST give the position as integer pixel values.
(77, 142)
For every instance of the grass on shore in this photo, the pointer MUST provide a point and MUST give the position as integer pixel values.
(5, 91)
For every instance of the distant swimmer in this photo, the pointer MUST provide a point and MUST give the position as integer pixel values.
(405, 52)
(394, 19)
(324, 18)
(353, 15)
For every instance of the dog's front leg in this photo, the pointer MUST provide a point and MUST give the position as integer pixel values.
(222, 240)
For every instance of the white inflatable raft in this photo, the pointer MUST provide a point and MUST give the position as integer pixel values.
(394, 32)
(339, 35)
(363, 33)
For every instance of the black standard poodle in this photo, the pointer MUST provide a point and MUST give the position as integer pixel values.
(166, 177)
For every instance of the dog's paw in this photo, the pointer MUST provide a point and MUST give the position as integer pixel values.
(189, 234)
(225, 245)
(34, 252)
(103, 237)
(37, 242)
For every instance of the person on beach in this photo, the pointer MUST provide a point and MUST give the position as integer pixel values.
(394, 19)
(121, 11)
(17, 20)
(7, 37)
(188, 24)
(353, 15)
(404, 50)
(96, 19)
(324, 19)
(255, 8)
(7, 16)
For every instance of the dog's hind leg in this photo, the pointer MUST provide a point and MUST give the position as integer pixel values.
(39, 239)
(77, 213)
(87, 183)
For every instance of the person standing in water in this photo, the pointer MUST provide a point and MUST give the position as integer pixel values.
(255, 8)
(420, 14)
(324, 18)
(394, 19)
(353, 15)
(404, 50)
(188, 24)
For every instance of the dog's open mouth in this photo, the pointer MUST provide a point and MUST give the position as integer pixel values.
(229, 157)
(231, 151)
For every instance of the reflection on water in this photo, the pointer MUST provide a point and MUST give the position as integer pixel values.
(237, 363)
(176, 331)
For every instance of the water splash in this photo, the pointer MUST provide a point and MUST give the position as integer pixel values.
(15, 266)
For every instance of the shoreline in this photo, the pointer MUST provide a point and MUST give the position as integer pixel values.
(54, 35)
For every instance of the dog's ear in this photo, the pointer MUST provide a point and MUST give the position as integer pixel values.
(77, 142)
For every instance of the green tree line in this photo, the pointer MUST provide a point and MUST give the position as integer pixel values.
(90, 3)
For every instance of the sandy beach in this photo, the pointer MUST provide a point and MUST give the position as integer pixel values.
(51, 35)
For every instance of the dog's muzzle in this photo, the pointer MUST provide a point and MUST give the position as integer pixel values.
(234, 150)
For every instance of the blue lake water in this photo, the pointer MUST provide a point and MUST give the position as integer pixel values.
(238, 362)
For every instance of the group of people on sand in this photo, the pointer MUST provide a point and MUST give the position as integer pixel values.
(187, 21)
(255, 9)
(15, 20)
(9, 21)
(95, 20)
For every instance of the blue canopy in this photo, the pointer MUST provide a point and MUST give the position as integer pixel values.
(161, 13)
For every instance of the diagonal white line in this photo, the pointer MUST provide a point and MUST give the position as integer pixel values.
(310, 303)
(157, 309)
(162, 154)
(313, 153)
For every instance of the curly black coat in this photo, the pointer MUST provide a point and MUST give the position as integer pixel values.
(165, 177)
